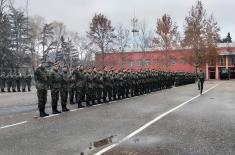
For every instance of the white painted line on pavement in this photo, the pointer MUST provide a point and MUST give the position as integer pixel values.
(150, 123)
(74, 110)
(50, 116)
(7, 126)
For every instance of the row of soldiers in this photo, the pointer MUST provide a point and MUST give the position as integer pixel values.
(97, 86)
(15, 82)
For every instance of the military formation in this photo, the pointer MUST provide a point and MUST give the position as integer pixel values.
(15, 82)
(93, 86)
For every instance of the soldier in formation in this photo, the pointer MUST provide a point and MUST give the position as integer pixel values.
(2, 82)
(95, 86)
(15, 82)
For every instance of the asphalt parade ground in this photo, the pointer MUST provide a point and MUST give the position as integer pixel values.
(176, 121)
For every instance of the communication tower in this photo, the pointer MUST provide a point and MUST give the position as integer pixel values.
(135, 32)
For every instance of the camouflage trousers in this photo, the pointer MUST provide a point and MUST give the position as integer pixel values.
(55, 96)
(99, 93)
(18, 84)
(23, 86)
(71, 95)
(64, 96)
(80, 94)
(29, 86)
(108, 92)
(90, 94)
(9, 85)
(42, 98)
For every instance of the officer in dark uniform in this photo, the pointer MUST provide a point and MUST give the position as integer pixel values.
(41, 80)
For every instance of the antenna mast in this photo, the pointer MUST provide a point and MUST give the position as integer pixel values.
(134, 31)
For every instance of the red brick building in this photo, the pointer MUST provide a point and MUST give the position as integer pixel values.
(177, 61)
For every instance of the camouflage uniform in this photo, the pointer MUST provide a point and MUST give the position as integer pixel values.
(79, 86)
(41, 81)
(100, 86)
(9, 82)
(28, 81)
(23, 82)
(18, 81)
(55, 85)
(14, 83)
(121, 92)
(64, 90)
(2, 82)
(90, 88)
(108, 86)
(72, 88)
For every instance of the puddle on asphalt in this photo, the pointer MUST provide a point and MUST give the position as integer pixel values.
(98, 144)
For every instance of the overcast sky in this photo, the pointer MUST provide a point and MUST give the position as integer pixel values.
(77, 14)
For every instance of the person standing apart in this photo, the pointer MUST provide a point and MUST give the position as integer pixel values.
(201, 79)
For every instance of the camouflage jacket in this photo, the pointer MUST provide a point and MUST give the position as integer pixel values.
(41, 79)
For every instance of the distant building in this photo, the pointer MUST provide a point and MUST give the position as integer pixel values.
(177, 61)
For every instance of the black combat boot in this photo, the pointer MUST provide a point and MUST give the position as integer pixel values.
(104, 100)
(54, 110)
(80, 105)
(88, 104)
(64, 108)
(42, 113)
(99, 101)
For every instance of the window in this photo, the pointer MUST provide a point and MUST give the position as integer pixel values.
(130, 63)
(147, 62)
(222, 61)
(155, 62)
(231, 60)
(139, 62)
(211, 63)
(182, 61)
(173, 61)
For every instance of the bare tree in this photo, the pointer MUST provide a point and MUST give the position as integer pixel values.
(101, 34)
(145, 37)
(145, 40)
(59, 30)
(167, 37)
(3, 4)
(47, 41)
(122, 40)
(36, 26)
(201, 35)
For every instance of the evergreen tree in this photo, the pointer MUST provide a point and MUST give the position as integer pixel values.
(19, 36)
(5, 53)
